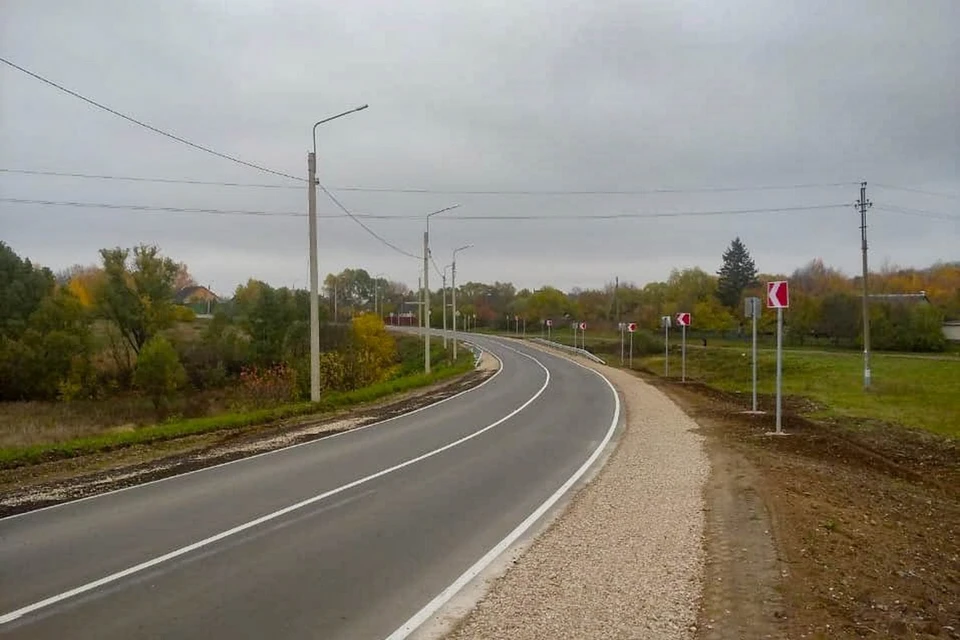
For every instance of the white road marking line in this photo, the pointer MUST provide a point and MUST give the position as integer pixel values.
(14, 615)
(259, 455)
(420, 617)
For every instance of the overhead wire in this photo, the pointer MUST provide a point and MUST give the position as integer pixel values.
(922, 213)
(199, 147)
(939, 194)
(363, 189)
(474, 218)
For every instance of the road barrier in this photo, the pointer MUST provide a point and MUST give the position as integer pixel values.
(565, 347)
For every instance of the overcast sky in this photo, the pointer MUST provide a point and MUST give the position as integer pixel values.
(487, 96)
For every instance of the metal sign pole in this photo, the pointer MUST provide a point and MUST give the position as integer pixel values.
(756, 310)
(666, 349)
(621, 344)
(631, 350)
(779, 368)
(683, 353)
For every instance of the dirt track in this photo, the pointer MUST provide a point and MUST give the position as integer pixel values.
(835, 531)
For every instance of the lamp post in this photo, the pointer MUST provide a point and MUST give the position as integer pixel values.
(444, 301)
(314, 267)
(376, 295)
(426, 283)
(453, 294)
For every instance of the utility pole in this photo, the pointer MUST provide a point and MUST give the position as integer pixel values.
(443, 299)
(426, 299)
(336, 316)
(863, 204)
(453, 295)
(314, 268)
(314, 280)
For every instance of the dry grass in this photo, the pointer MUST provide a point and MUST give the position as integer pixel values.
(25, 424)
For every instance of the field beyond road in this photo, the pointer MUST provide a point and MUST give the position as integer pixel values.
(912, 392)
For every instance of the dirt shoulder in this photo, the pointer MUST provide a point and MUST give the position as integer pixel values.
(838, 530)
(31, 487)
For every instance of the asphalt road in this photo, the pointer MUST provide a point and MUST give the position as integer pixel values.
(344, 537)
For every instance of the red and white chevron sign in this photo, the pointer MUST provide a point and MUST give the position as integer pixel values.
(683, 319)
(778, 294)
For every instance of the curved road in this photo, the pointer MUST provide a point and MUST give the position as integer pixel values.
(358, 535)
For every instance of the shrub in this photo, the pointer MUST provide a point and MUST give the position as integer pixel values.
(267, 386)
(159, 373)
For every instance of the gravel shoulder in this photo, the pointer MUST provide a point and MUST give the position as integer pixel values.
(626, 558)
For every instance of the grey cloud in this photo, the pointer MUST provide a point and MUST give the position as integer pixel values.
(521, 95)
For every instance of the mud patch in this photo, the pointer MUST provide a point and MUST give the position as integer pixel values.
(864, 519)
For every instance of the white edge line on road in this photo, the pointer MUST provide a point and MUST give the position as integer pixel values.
(176, 553)
(420, 617)
(263, 453)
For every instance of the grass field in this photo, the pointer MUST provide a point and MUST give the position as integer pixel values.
(100, 439)
(912, 392)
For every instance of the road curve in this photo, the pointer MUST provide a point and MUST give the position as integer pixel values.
(349, 536)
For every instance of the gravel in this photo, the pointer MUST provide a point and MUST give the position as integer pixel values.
(625, 560)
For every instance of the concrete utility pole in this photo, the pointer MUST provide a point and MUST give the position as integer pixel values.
(863, 204)
(314, 261)
(426, 284)
(444, 303)
(426, 299)
(453, 295)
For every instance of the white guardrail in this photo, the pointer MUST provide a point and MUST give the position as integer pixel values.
(565, 347)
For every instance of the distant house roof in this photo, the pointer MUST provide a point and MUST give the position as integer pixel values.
(195, 293)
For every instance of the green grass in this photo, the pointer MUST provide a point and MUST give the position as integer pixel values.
(20, 456)
(912, 392)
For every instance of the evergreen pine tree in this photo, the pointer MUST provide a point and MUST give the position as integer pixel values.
(737, 273)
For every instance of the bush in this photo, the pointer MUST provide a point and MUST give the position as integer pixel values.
(159, 373)
(263, 387)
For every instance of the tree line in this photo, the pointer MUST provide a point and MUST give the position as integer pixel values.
(113, 328)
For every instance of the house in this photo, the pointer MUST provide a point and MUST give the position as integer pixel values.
(198, 298)
(951, 331)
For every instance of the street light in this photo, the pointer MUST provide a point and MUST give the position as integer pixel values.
(376, 294)
(314, 269)
(426, 284)
(453, 294)
(444, 302)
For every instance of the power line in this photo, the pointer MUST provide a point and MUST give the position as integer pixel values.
(361, 189)
(149, 127)
(474, 218)
(921, 213)
(142, 207)
(369, 230)
(664, 214)
(94, 176)
(587, 192)
(200, 147)
(939, 194)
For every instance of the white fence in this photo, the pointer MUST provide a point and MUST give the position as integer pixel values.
(565, 347)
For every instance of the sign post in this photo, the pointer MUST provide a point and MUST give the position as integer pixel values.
(621, 326)
(752, 310)
(549, 329)
(632, 327)
(583, 336)
(778, 297)
(666, 345)
(683, 319)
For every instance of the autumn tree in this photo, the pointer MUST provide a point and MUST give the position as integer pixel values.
(137, 296)
(159, 372)
(736, 274)
(23, 286)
